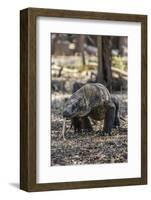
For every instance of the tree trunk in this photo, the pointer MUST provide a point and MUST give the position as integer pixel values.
(100, 75)
(123, 46)
(82, 40)
(54, 38)
(106, 49)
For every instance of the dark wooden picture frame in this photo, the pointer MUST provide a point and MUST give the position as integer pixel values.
(28, 99)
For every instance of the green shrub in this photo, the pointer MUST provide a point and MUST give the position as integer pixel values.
(119, 62)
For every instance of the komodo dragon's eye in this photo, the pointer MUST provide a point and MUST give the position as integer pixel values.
(73, 107)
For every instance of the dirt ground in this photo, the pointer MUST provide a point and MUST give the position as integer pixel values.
(87, 148)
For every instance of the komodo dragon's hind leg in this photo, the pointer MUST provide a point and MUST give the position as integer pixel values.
(108, 120)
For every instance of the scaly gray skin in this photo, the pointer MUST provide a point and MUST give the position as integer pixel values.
(93, 100)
